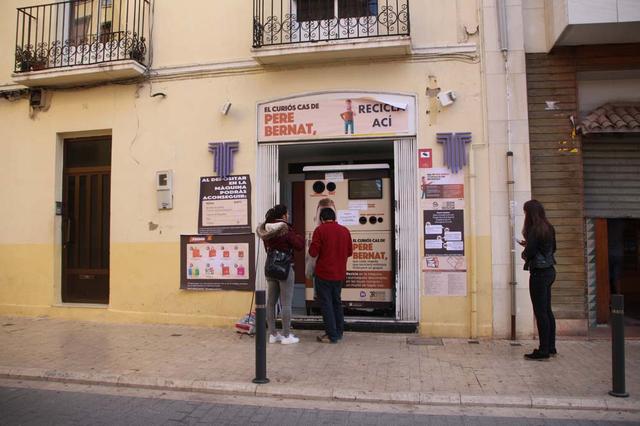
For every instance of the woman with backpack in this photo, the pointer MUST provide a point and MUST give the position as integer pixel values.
(278, 235)
(539, 247)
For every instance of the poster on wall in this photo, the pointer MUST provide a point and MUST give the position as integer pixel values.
(217, 262)
(441, 189)
(445, 283)
(336, 115)
(444, 265)
(443, 232)
(225, 205)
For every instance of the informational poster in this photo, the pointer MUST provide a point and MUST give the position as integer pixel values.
(444, 264)
(441, 189)
(336, 115)
(369, 277)
(225, 205)
(217, 262)
(445, 283)
(443, 232)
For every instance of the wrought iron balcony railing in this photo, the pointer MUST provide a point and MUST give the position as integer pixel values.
(284, 22)
(81, 32)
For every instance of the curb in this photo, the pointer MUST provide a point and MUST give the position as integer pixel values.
(292, 392)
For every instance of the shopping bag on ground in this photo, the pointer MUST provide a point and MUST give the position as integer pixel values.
(247, 325)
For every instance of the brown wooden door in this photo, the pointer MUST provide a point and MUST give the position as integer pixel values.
(85, 220)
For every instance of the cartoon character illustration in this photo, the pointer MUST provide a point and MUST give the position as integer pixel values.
(347, 117)
(423, 186)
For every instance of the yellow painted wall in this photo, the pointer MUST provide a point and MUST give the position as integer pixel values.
(156, 133)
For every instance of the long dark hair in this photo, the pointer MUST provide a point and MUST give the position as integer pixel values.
(276, 212)
(536, 222)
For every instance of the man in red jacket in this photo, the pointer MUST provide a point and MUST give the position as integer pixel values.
(332, 245)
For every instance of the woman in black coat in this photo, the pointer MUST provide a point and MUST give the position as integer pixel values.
(538, 254)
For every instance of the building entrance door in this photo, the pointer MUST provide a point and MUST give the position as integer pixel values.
(85, 220)
(618, 265)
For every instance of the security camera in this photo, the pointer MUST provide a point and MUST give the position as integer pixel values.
(446, 98)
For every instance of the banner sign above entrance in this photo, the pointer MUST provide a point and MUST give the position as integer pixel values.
(336, 116)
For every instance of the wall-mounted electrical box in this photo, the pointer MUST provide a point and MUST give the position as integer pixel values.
(164, 189)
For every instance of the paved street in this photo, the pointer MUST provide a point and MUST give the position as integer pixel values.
(363, 368)
(23, 405)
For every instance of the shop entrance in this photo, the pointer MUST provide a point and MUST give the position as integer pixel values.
(347, 129)
(86, 193)
(349, 168)
(611, 199)
(618, 259)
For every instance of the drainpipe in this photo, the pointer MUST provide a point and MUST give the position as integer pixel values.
(474, 258)
(504, 48)
(512, 241)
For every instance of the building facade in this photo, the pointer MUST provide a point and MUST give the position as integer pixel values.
(144, 141)
(583, 90)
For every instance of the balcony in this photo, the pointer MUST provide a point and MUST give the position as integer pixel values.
(81, 41)
(294, 30)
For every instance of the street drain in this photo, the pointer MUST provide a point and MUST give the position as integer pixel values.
(424, 341)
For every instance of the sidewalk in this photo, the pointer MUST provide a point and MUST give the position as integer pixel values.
(364, 367)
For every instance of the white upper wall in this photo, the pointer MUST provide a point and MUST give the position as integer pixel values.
(602, 11)
(581, 22)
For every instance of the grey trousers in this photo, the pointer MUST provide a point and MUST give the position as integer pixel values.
(284, 291)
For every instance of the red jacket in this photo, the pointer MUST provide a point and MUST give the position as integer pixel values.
(280, 236)
(332, 245)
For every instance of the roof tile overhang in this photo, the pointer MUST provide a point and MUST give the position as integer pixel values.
(612, 118)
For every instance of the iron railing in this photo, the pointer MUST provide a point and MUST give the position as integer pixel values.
(282, 22)
(81, 32)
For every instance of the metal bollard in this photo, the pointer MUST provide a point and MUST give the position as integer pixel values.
(617, 346)
(261, 337)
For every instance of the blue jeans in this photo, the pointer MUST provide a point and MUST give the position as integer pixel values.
(331, 306)
(540, 281)
(348, 125)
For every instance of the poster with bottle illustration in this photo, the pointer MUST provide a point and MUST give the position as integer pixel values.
(217, 262)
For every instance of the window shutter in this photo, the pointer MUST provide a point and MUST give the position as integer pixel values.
(314, 10)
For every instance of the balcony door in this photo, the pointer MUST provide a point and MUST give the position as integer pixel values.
(317, 10)
(335, 19)
(90, 21)
(85, 225)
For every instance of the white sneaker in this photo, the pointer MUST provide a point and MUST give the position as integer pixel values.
(275, 339)
(289, 340)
